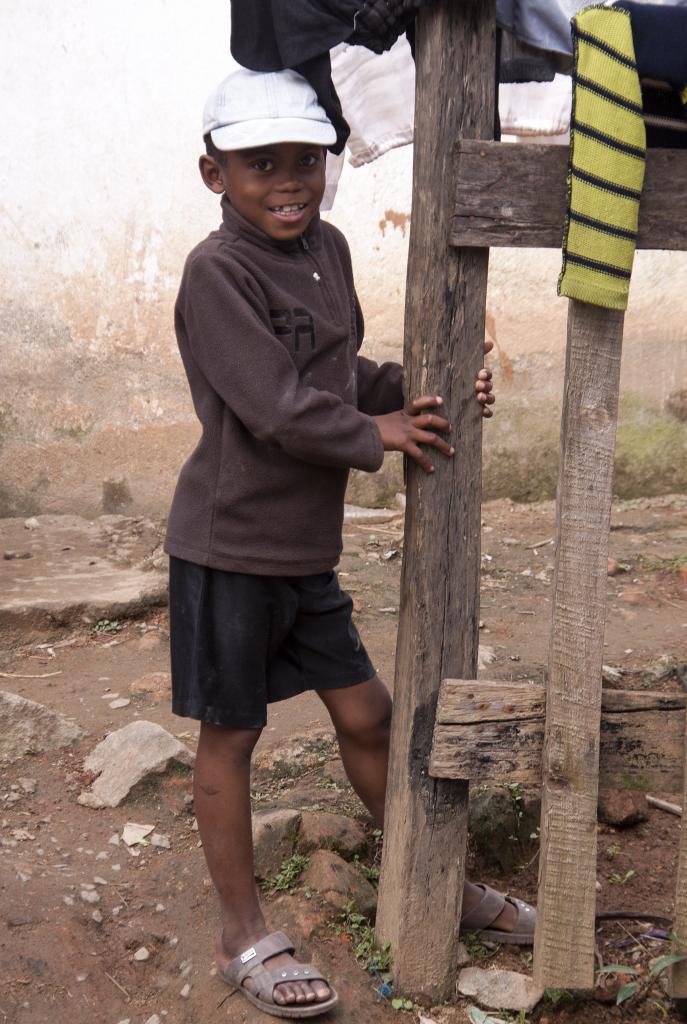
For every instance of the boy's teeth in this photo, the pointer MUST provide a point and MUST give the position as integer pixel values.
(289, 209)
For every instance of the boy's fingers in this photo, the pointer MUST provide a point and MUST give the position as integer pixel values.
(486, 399)
(483, 385)
(488, 346)
(416, 453)
(424, 437)
(486, 412)
(428, 420)
(484, 374)
(425, 402)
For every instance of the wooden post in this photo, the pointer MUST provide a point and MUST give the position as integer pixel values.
(678, 972)
(564, 942)
(423, 865)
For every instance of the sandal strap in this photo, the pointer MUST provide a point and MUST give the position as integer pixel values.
(255, 955)
(296, 972)
(486, 911)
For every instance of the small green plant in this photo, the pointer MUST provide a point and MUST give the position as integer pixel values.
(287, 877)
(527, 958)
(476, 948)
(257, 797)
(370, 871)
(641, 986)
(477, 1016)
(619, 879)
(613, 850)
(559, 995)
(108, 626)
(359, 930)
(402, 1004)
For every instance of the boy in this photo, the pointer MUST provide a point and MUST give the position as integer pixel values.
(269, 327)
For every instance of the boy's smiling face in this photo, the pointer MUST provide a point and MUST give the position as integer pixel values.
(278, 188)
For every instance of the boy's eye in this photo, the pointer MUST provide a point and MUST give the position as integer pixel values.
(263, 164)
(310, 159)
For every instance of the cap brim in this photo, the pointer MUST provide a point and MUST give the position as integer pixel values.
(253, 134)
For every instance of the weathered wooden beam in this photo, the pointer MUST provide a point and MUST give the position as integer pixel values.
(516, 195)
(494, 733)
(566, 904)
(678, 972)
(425, 833)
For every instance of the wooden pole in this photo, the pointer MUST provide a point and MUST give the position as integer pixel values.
(678, 972)
(564, 941)
(423, 865)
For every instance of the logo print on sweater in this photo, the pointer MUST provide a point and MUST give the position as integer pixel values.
(296, 324)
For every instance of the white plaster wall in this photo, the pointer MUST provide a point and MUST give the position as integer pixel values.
(100, 201)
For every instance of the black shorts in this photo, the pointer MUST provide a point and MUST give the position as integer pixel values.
(240, 642)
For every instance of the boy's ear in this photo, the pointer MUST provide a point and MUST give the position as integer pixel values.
(212, 173)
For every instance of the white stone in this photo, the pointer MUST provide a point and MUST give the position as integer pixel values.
(154, 1019)
(161, 841)
(133, 833)
(499, 990)
(99, 881)
(97, 917)
(31, 524)
(114, 839)
(141, 955)
(120, 702)
(128, 755)
(28, 785)
(355, 514)
(88, 896)
(186, 991)
(30, 728)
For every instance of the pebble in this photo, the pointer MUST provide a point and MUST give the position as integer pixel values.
(103, 855)
(97, 917)
(161, 841)
(154, 1019)
(159, 908)
(98, 880)
(141, 955)
(88, 896)
(68, 900)
(114, 840)
(82, 976)
(121, 702)
(115, 867)
(31, 524)
(186, 991)
(133, 833)
(28, 785)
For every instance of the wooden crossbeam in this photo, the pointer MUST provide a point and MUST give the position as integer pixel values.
(494, 733)
(515, 195)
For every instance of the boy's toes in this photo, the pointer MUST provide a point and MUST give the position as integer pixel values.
(284, 994)
(321, 990)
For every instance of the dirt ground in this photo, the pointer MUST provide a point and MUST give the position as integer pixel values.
(60, 965)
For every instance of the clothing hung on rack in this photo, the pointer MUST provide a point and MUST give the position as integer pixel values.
(607, 160)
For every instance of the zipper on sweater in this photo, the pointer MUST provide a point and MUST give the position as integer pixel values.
(319, 279)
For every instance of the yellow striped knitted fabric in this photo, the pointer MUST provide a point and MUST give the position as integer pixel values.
(607, 159)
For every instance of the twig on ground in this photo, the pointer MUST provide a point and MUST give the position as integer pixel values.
(541, 544)
(117, 985)
(20, 675)
(664, 805)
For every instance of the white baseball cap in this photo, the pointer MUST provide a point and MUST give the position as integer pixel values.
(253, 108)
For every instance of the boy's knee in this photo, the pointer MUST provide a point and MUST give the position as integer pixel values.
(369, 722)
(229, 745)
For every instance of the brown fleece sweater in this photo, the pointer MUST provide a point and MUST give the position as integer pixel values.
(269, 334)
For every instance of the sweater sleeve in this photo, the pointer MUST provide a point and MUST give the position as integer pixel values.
(380, 388)
(236, 350)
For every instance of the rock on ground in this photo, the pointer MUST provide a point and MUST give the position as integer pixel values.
(127, 756)
(274, 839)
(30, 728)
(621, 807)
(157, 684)
(338, 882)
(321, 830)
(295, 756)
(499, 990)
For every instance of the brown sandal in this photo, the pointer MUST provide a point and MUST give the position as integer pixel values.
(489, 908)
(251, 964)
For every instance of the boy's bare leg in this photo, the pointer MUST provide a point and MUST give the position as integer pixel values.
(221, 786)
(361, 716)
